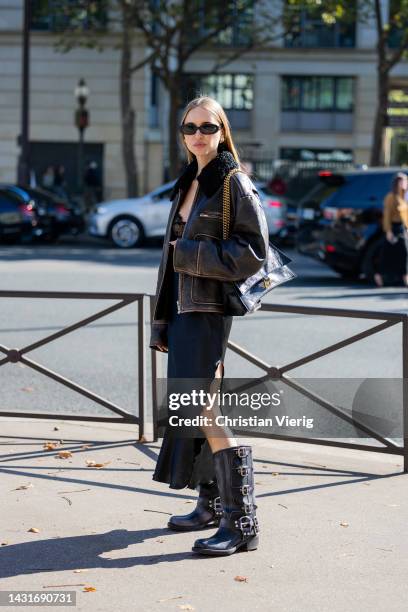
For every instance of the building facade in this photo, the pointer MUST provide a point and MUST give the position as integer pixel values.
(310, 96)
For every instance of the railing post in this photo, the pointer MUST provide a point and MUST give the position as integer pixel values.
(405, 388)
(141, 364)
(154, 380)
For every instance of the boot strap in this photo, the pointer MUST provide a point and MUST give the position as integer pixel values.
(215, 504)
(247, 524)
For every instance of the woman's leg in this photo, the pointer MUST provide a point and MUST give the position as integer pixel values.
(218, 437)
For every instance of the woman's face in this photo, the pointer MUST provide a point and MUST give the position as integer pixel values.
(202, 145)
(403, 183)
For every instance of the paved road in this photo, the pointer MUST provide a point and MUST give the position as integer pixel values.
(103, 355)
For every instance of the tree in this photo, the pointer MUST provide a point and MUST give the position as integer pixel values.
(173, 31)
(391, 47)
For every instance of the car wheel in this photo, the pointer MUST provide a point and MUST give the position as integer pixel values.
(371, 260)
(126, 232)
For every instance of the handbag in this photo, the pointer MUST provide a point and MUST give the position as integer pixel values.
(242, 297)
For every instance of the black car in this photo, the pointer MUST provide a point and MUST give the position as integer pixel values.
(18, 217)
(339, 221)
(51, 215)
(65, 217)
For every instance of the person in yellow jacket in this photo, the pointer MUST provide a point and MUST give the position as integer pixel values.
(394, 254)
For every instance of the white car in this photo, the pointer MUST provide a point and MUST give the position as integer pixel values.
(128, 222)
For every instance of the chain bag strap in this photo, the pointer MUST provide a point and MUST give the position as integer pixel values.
(245, 296)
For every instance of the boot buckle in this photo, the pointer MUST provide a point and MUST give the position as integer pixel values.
(241, 451)
(243, 470)
(248, 508)
(245, 524)
(217, 506)
(256, 524)
(245, 489)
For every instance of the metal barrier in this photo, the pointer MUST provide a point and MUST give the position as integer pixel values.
(13, 355)
(18, 355)
(279, 372)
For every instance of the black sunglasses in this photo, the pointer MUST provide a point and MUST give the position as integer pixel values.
(205, 128)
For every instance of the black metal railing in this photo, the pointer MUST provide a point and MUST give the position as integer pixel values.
(280, 372)
(18, 355)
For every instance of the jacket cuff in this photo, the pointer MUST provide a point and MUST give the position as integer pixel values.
(185, 256)
(158, 335)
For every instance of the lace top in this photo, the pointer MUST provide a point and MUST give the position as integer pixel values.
(177, 227)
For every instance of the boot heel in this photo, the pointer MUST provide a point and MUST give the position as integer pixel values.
(252, 544)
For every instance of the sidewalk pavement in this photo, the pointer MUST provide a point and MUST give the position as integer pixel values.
(334, 533)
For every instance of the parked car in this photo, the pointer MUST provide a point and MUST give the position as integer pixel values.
(127, 222)
(340, 220)
(17, 217)
(38, 221)
(49, 214)
(65, 217)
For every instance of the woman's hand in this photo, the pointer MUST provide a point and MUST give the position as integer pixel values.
(162, 348)
(390, 236)
(173, 242)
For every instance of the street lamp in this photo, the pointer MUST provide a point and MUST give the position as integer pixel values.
(81, 93)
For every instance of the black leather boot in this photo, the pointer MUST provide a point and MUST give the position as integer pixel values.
(207, 513)
(238, 527)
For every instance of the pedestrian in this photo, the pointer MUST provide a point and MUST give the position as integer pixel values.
(394, 251)
(60, 183)
(191, 324)
(92, 185)
(47, 179)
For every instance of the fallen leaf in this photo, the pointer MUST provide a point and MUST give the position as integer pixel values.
(50, 445)
(34, 530)
(23, 487)
(4, 543)
(78, 571)
(344, 524)
(91, 463)
(89, 589)
(161, 541)
(241, 579)
(275, 473)
(56, 428)
(63, 455)
(190, 501)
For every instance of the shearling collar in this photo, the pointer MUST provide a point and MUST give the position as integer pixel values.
(211, 176)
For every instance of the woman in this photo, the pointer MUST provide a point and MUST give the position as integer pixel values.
(394, 253)
(190, 322)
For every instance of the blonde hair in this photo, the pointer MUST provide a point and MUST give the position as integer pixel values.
(214, 107)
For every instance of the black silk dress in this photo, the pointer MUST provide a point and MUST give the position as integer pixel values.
(197, 342)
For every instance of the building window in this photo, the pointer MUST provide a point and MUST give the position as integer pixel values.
(397, 31)
(60, 15)
(233, 91)
(317, 93)
(239, 33)
(309, 30)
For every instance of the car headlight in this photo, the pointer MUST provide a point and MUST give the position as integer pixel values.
(100, 210)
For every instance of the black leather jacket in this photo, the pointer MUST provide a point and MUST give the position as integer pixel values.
(203, 259)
